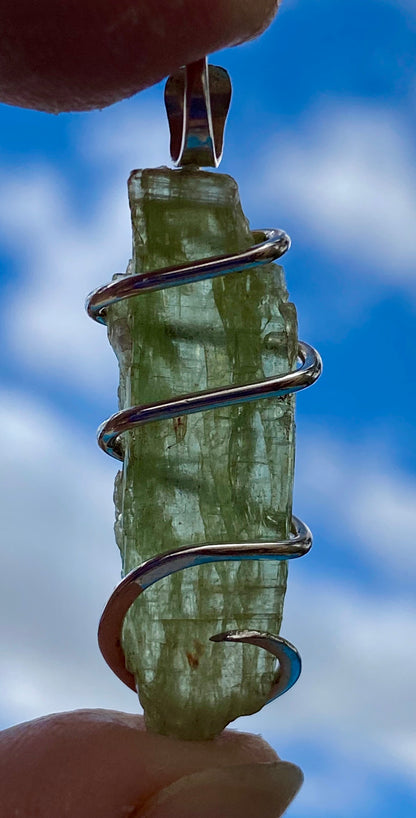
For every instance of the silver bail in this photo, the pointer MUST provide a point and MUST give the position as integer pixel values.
(197, 100)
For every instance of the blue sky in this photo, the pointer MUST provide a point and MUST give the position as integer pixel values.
(321, 141)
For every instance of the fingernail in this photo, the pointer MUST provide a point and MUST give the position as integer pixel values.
(241, 791)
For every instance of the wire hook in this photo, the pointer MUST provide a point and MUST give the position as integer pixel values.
(197, 100)
(163, 565)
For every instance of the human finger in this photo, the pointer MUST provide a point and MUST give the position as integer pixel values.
(241, 791)
(87, 54)
(101, 762)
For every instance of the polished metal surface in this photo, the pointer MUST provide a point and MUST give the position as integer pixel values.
(272, 245)
(110, 432)
(163, 565)
(197, 100)
(290, 663)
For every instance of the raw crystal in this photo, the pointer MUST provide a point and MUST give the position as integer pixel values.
(222, 475)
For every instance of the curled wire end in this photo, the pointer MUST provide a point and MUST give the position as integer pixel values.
(164, 565)
(290, 663)
(273, 245)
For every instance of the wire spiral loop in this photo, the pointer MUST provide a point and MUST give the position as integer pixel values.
(272, 245)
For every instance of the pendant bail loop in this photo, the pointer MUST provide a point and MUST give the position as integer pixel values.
(197, 100)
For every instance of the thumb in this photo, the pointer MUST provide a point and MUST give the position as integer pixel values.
(241, 791)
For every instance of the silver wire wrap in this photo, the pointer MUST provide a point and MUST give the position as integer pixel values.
(274, 244)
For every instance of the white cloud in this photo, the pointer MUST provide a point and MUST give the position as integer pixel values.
(134, 137)
(355, 697)
(359, 495)
(348, 175)
(336, 786)
(60, 258)
(59, 557)
(61, 255)
(59, 563)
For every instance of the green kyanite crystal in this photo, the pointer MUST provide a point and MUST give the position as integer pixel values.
(222, 475)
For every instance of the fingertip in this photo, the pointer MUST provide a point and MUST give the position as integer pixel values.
(95, 53)
(245, 747)
(244, 791)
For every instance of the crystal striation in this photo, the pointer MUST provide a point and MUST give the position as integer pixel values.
(219, 476)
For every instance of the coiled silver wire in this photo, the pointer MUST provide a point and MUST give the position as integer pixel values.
(273, 245)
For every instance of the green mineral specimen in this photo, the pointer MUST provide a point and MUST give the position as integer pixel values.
(219, 476)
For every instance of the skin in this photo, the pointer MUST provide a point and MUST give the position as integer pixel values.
(92, 763)
(82, 54)
(72, 56)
